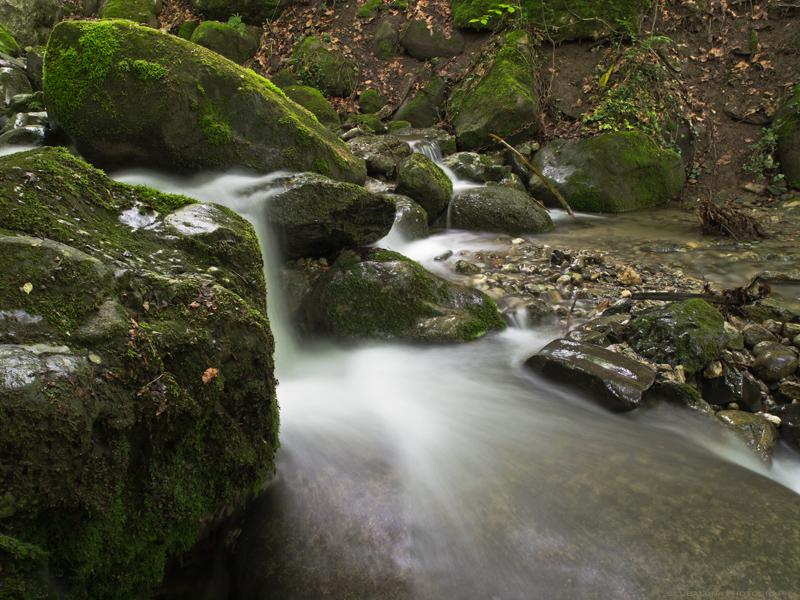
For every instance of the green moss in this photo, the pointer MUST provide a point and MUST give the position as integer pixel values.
(369, 9)
(369, 122)
(397, 125)
(385, 50)
(7, 42)
(138, 11)
(187, 29)
(147, 71)
(321, 166)
(370, 101)
(313, 100)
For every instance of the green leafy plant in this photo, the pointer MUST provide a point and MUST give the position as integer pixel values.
(762, 160)
(236, 22)
(500, 11)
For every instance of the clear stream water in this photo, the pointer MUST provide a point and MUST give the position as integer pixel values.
(446, 472)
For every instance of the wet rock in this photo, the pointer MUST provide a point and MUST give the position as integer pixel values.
(382, 154)
(539, 311)
(733, 386)
(629, 276)
(784, 309)
(755, 334)
(411, 220)
(380, 294)
(758, 432)
(476, 167)
(424, 182)
(499, 210)
(789, 390)
(774, 365)
(790, 424)
(424, 108)
(678, 393)
(466, 268)
(762, 347)
(613, 380)
(734, 339)
(13, 81)
(688, 333)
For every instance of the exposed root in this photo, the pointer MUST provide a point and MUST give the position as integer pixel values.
(728, 222)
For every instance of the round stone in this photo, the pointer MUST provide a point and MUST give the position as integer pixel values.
(774, 365)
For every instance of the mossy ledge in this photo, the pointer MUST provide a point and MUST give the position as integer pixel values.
(162, 411)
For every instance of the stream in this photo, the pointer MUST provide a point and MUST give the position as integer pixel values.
(446, 472)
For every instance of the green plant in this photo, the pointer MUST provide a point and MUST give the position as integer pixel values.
(500, 11)
(762, 155)
(236, 22)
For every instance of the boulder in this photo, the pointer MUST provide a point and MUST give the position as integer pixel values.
(426, 183)
(136, 377)
(498, 210)
(610, 173)
(784, 123)
(314, 216)
(423, 41)
(312, 100)
(380, 294)
(790, 425)
(757, 431)
(425, 108)
(475, 167)
(12, 83)
(410, 220)
(142, 12)
(31, 21)
(8, 45)
(132, 96)
(370, 101)
(385, 40)
(612, 379)
(252, 12)
(688, 333)
(322, 66)
(239, 44)
(382, 154)
(503, 101)
(34, 67)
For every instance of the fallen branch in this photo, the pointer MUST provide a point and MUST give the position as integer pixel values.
(537, 172)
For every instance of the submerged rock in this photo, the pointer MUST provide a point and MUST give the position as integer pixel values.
(131, 96)
(499, 210)
(380, 294)
(613, 380)
(136, 372)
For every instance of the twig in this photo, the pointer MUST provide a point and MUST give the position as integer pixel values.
(537, 172)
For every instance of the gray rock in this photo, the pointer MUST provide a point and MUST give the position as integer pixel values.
(784, 309)
(755, 334)
(789, 390)
(382, 154)
(425, 108)
(774, 365)
(498, 210)
(733, 386)
(476, 167)
(30, 20)
(423, 41)
(615, 381)
(758, 433)
(227, 40)
(385, 40)
(424, 182)
(680, 394)
(12, 83)
(411, 220)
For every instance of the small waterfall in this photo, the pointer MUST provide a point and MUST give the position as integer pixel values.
(428, 148)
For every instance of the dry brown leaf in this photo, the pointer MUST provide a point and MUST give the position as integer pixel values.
(210, 374)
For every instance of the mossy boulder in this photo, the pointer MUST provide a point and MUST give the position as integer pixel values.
(382, 154)
(503, 101)
(312, 99)
(252, 12)
(424, 182)
(368, 123)
(138, 394)
(380, 294)
(498, 210)
(131, 96)
(324, 67)
(8, 45)
(139, 11)
(425, 108)
(689, 333)
(610, 173)
(578, 19)
(312, 215)
(423, 41)
(476, 167)
(785, 122)
(369, 9)
(370, 101)
(234, 43)
(187, 29)
(284, 78)
(385, 40)
(31, 21)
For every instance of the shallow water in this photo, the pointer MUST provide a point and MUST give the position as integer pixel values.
(447, 472)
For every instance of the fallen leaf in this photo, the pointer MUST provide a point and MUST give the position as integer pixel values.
(194, 304)
(210, 374)
(146, 305)
(27, 288)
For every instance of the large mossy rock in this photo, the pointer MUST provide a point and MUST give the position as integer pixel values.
(137, 394)
(785, 123)
(31, 21)
(325, 68)
(426, 183)
(252, 12)
(610, 173)
(503, 102)
(239, 45)
(426, 107)
(689, 333)
(131, 96)
(142, 12)
(380, 294)
(312, 100)
(315, 216)
(498, 210)
(560, 20)
(423, 41)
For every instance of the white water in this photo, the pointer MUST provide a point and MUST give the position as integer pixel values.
(447, 472)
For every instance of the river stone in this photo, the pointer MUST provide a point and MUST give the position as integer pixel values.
(423, 41)
(137, 390)
(734, 339)
(425, 108)
(252, 12)
(227, 40)
(733, 386)
(762, 347)
(789, 390)
(498, 210)
(503, 102)
(30, 20)
(610, 173)
(785, 310)
(325, 66)
(380, 294)
(424, 182)
(758, 432)
(382, 154)
(790, 424)
(774, 365)
(410, 220)
(139, 11)
(681, 394)
(612, 379)
(34, 67)
(314, 215)
(476, 167)
(132, 96)
(755, 334)
(688, 333)
(312, 99)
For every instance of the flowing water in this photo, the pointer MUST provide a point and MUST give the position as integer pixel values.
(446, 472)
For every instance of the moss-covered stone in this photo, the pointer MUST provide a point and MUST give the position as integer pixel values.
(189, 109)
(562, 21)
(689, 333)
(760, 435)
(8, 44)
(609, 173)
(385, 40)
(30, 20)
(284, 78)
(426, 107)
(239, 45)
(370, 101)
(398, 126)
(503, 102)
(138, 11)
(382, 154)
(370, 123)
(426, 183)
(138, 394)
(380, 294)
(476, 167)
(369, 9)
(252, 12)
(187, 29)
(322, 66)
(313, 100)
(424, 41)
